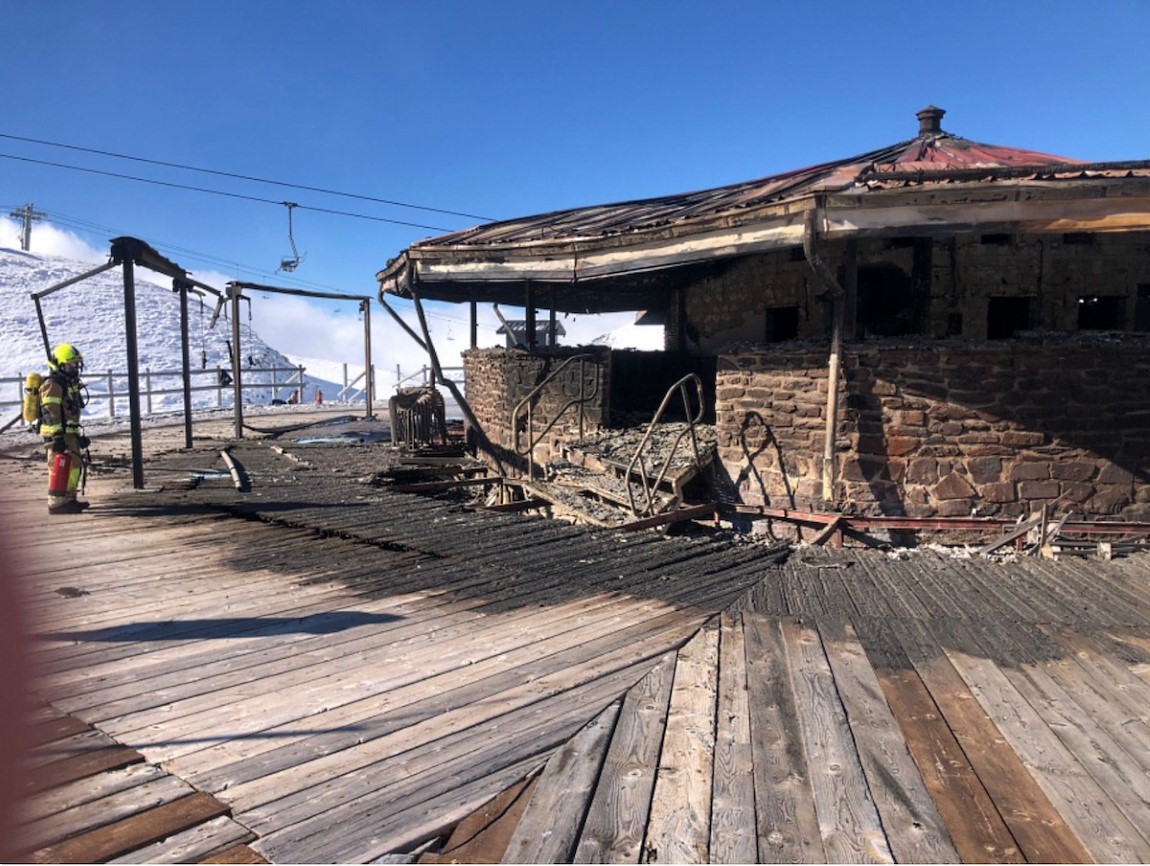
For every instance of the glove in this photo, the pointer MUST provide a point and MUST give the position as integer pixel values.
(59, 446)
(84, 441)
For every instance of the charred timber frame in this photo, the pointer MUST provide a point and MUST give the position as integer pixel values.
(1027, 201)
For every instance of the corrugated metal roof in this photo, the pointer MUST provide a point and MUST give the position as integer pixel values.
(929, 152)
(618, 256)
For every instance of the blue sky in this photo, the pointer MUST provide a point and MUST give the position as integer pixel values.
(501, 109)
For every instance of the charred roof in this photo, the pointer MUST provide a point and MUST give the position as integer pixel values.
(612, 244)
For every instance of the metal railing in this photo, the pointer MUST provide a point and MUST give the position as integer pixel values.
(529, 401)
(638, 460)
(109, 389)
(423, 375)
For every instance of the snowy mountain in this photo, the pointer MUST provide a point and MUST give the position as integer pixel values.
(90, 315)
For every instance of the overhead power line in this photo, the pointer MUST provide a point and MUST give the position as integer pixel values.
(221, 192)
(245, 177)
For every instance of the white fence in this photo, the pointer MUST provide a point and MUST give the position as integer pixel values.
(163, 390)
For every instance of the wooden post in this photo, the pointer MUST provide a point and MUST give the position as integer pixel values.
(133, 373)
(369, 379)
(530, 305)
(550, 339)
(474, 325)
(234, 293)
(185, 360)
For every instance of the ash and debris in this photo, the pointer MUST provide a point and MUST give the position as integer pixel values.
(618, 446)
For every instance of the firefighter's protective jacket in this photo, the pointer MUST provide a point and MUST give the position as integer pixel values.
(61, 401)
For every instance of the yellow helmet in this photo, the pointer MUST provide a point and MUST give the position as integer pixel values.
(66, 353)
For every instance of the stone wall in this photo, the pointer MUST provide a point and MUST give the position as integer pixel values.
(498, 379)
(939, 288)
(945, 429)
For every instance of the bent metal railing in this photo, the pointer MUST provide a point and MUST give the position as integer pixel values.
(581, 400)
(638, 466)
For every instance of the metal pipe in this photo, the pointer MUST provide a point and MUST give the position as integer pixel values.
(43, 328)
(233, 470)
(36, 296)
(73, 280)
(834, 361)
(410, 331)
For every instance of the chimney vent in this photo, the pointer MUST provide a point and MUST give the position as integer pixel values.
(930, 120)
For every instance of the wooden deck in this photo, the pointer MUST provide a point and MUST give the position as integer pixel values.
(340, 673)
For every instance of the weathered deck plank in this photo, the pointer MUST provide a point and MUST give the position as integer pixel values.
(848, 820)
(616, 820)
(678, 829)
(733, 837)
(1082, 801)
(914, 830)
(549, 829)
(850, 734)
(787, 824)
(977, 830)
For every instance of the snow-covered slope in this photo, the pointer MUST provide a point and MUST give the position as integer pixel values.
(90, 315)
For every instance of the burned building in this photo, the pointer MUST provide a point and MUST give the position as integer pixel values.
(935, 328)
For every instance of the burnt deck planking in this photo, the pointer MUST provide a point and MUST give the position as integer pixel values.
(353, 671)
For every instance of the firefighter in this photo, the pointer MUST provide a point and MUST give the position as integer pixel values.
(62, 398)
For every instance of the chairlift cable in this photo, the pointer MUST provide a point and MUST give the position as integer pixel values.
(221, 192)
(247, 177)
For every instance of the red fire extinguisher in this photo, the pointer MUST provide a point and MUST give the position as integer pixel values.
(58, 475)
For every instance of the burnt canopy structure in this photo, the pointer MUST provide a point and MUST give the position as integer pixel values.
(985, 309)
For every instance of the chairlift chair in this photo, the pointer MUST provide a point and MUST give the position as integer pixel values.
(286, 264)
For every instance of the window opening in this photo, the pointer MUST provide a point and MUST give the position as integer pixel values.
(1101, 313)
(1007, 316)
(1078, 239)
(1142, 308)
(782, 323)
(996, 240)
(886, 302)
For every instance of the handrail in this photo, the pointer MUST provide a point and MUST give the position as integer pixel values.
(107, 389)
(648, 487)
(581, 400)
